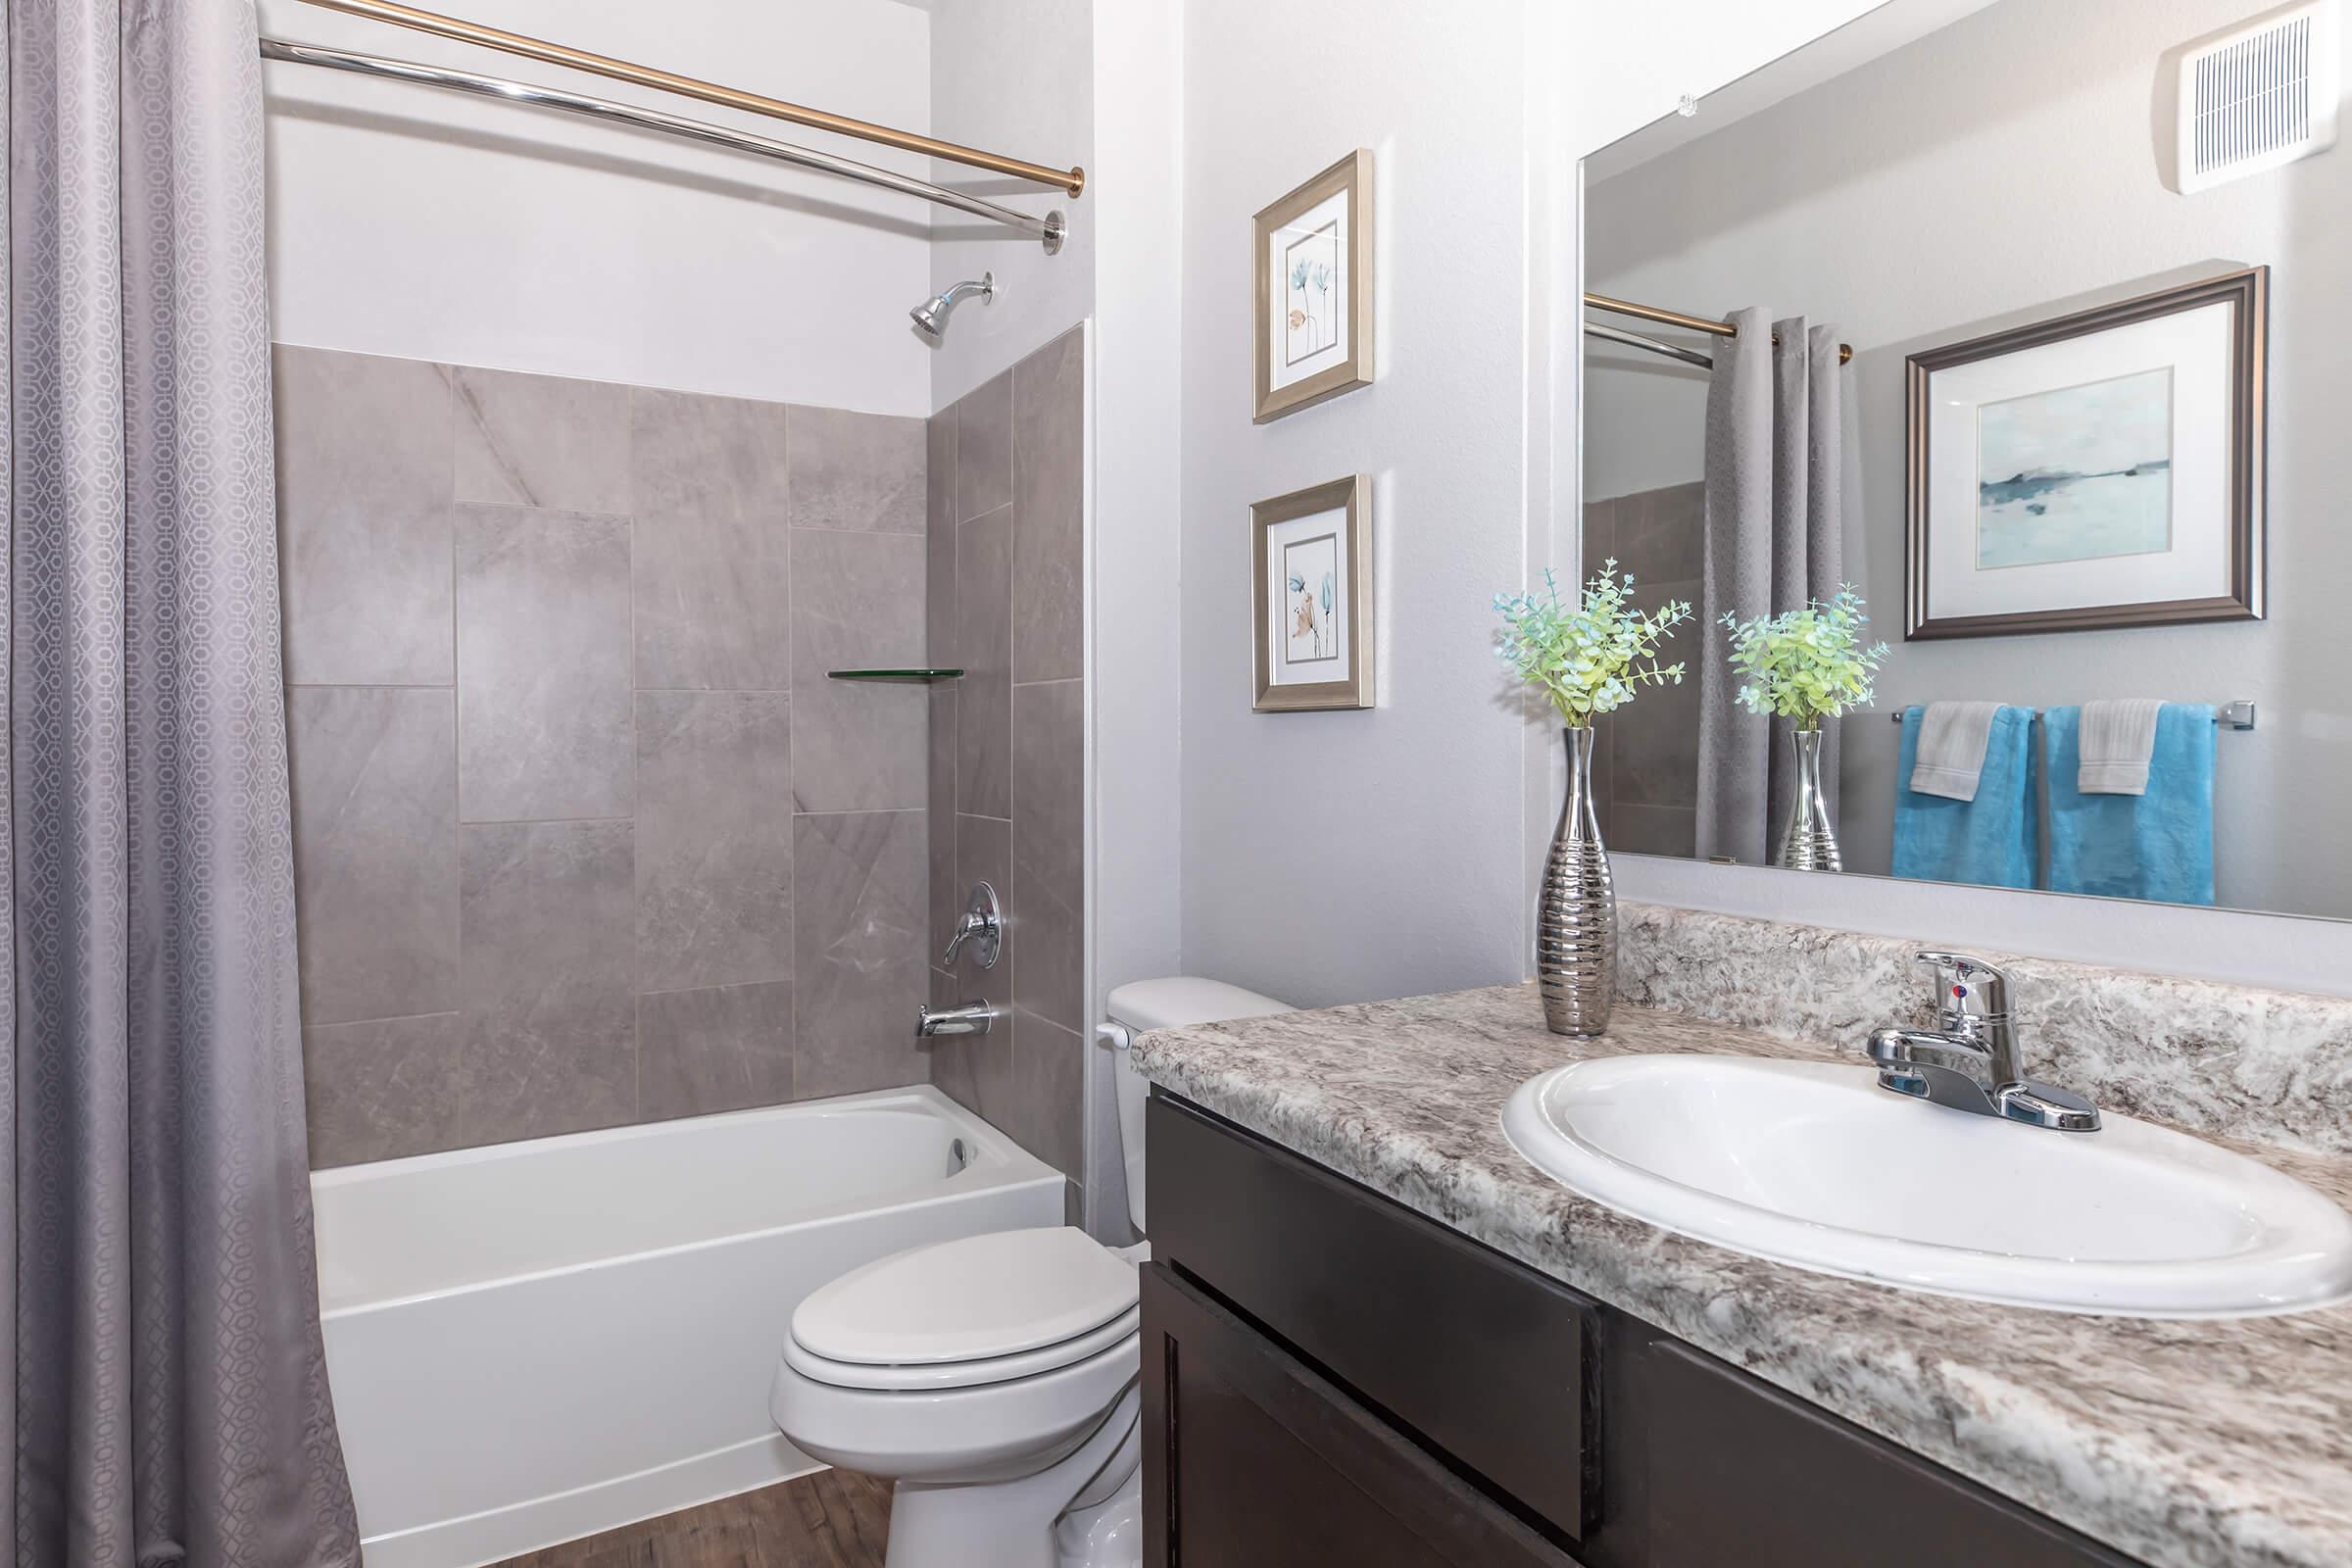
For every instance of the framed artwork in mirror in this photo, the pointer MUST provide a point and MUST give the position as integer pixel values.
(1312, 315)
(1312, 586)
(2102, 469)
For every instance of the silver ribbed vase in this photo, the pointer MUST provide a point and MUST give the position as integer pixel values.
(1576, 925)
(1809, 841)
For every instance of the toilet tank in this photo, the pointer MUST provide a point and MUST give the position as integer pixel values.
(1175, 1002)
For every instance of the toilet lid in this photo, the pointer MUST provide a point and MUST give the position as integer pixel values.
(967, 1299)
(1118, 1337)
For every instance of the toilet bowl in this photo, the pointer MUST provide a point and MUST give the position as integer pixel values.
(995, 1379)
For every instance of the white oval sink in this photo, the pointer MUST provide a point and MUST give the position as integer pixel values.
(1814, 1164)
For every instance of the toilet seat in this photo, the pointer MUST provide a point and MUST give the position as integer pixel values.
(935, 1376)
(987, 1433)
(976, 1311)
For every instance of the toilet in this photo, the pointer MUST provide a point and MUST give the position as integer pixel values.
(995, 1379)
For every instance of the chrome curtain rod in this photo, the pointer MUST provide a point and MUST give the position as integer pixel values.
(1048, 229)
(1671, 351)
(1666, 317)
(1072, 181)
(2237, 714)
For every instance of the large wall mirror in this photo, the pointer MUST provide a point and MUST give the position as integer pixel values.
(2033, 327)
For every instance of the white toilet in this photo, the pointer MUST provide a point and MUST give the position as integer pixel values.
(996, 1378)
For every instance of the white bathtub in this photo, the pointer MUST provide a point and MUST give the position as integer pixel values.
(534, 1341)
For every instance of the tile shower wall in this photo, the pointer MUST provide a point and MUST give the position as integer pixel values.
(583, 836)
(1647, 768)
(1007, 785)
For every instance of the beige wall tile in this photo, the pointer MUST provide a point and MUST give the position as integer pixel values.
(543, 664)
(858, 905)
(542, 441)
(375, 849)
(728, 1047)
(858, 471)
(713, 839)
(363, 492)
(712, 562)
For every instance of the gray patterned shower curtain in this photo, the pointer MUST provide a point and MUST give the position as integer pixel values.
(1774, 540)
(163, 1392)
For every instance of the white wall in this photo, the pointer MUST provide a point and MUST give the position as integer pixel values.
(1873, 202)
(407, 220)
(1135, 849)
(1338, 855)
(1137, 563)
(1623, 65)
(1351, 854)
(1012, 76)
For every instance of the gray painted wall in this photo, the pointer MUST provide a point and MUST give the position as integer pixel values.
(1007, 788)
(1916, 200)
(583, 835)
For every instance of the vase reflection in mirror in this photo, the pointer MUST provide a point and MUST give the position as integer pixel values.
(1576, 930)
(1809, 840)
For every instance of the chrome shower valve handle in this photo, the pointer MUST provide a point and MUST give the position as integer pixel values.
(981, 924)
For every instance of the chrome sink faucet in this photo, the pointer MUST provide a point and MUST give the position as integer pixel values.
(1970, 1059)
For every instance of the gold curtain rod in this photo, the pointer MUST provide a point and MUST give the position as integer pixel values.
(1071, 180)
(1657, 313)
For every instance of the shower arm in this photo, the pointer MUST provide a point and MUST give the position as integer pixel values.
(1047, 231)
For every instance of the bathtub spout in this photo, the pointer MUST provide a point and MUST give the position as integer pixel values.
(971, 1018)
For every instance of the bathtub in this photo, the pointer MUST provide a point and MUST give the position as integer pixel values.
(533, 1342)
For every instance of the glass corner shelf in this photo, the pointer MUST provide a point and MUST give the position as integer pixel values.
(909, 677)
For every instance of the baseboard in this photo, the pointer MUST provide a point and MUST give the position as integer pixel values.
(475, 1540)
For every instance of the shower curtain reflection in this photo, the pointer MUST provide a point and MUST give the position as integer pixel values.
(1774, 457)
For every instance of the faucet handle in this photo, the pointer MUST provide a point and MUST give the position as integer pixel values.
(982, 922)
(1968, 990)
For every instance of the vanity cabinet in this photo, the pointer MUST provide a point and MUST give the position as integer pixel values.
(1330, 1377)
(1258, 1459)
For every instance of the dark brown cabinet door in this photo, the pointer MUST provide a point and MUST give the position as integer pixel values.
(1481, 1359)
(1741, 1473)
(1254, 1460)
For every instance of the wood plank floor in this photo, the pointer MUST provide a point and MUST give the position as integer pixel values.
(832, 1519)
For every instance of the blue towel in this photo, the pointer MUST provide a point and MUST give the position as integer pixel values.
(1987, 841)
(2154, 846)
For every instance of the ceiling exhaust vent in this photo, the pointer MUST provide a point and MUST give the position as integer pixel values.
(2259, 95)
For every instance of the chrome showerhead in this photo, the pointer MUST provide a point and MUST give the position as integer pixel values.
(931, 317)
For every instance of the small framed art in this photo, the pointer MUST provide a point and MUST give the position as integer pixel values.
(1311, 581)
(2097, 469)
(1313, 311)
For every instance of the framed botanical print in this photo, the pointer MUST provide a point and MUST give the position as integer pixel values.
(1313, 311)
(2098, 469)
(1311, 582)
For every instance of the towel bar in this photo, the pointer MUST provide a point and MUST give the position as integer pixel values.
(2237, 713)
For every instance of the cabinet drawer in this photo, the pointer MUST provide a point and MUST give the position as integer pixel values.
(1739, 1472)
(1254, 1460)
(1472, 1354)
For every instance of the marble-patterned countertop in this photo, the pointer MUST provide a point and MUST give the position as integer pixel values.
(2180, 1443)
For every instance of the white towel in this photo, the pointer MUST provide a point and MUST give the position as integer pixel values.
(2117, 739)
(1952, 737)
